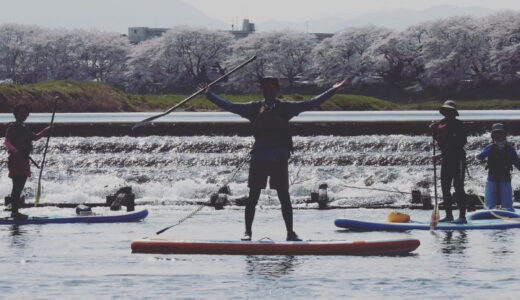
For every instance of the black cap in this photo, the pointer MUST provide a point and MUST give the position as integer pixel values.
(18, 107)
(267, 80)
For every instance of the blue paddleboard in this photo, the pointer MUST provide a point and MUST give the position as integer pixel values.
(357, 225)
(130, 217)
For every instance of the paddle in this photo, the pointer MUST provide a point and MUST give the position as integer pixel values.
(435, 213)
(39, 189)
(145, 121)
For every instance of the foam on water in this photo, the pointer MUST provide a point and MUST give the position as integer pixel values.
(186, 170)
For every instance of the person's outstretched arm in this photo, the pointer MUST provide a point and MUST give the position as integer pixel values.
(39, 135)
(241, 109)
(295, 108)
(484, 153)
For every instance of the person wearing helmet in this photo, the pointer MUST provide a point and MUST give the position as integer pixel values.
(501, 156)
(18, 140)
(273, 144)
(451, 137)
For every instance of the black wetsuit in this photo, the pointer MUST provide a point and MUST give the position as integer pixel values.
(451, 137)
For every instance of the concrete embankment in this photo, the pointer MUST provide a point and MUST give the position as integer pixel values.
(243, 128)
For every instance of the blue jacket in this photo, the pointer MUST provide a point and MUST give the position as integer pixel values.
(513, 158)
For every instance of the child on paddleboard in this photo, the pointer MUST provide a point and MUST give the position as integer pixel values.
(501, 156)
(18, 140)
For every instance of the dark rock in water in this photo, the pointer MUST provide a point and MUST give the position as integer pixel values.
(323, 198)
(426, 201)
(219, 200)
(83, 210)
(225, 190)
(142, 179)
(314, 196)
(416, 196)
(124, 190)
(123, 197)
(423, 184)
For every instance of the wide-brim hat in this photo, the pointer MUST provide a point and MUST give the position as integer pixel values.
(449, 105)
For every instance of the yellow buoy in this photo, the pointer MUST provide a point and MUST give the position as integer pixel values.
(397, 217)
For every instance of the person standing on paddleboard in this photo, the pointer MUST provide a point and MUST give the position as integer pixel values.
(273, 144)
(451, 138)
(501, 156)
(18, 140)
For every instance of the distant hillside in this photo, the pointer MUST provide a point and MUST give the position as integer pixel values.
(395, 19)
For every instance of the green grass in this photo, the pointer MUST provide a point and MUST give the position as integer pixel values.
(77, 96)
(357, 102)
(337, 102)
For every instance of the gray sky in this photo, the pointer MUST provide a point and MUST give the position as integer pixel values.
(118, 15)
(300, 10)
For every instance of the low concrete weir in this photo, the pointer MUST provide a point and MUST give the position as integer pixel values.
(340, 123)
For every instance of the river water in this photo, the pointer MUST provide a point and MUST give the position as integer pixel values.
(172, 175)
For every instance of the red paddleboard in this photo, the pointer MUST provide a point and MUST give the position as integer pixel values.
(268, 247)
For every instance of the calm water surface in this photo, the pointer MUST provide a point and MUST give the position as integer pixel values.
(81, 260)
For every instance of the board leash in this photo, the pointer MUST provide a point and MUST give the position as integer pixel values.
(375, 189)
(493, 213)
(200, 207)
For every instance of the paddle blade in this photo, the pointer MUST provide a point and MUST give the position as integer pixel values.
(145, 121)
(435, 217)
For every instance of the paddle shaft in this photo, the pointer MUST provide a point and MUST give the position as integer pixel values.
(499, 197)
(434, 171)
(39, 189)
(34, 162)
(143, 122)
(435, 212)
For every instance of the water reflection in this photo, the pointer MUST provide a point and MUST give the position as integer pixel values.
(16, 232)
(454, 242)
(501, 240)
(270, 266)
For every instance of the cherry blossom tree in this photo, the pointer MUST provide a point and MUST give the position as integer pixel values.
(199, 50)
(455, 50)
(281, 54)
(346, 55)
(16, 51)
(102, 55)
(504, 32)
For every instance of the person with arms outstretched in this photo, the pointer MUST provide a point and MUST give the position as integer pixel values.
(273, 144)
